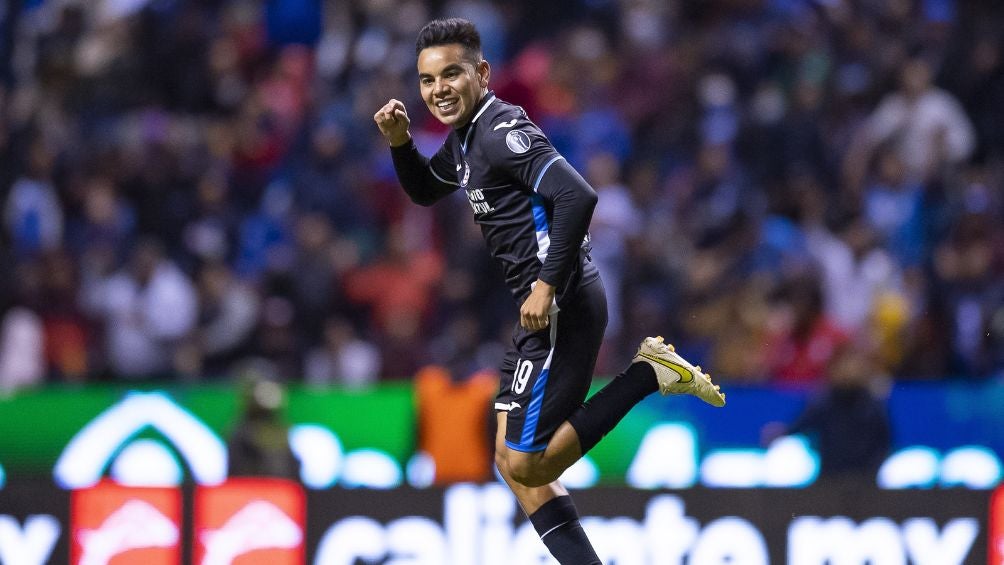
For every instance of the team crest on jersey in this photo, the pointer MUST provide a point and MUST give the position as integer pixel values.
(517, 141)
(467, 175)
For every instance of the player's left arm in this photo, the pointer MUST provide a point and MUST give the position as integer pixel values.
(530, 157)
(572, 201)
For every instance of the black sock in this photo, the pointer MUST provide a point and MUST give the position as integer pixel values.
(598, 415)
(557, 524)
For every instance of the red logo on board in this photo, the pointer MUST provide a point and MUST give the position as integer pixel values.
(250, 521)
(116, 525)
(996, 532)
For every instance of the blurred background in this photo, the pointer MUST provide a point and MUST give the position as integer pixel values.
(805, 196)
(187, 184)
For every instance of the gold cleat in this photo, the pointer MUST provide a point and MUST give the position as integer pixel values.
(675, 374)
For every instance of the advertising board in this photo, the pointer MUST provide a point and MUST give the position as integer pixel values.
(996, 531)
(108, 521)
(369, 438)
(253, 521)
(468, 524)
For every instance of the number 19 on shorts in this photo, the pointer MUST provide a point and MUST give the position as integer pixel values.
(521, 375)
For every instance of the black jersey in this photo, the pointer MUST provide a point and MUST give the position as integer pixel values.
(532, 207)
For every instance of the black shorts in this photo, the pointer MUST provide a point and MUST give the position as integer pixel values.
(546, 374)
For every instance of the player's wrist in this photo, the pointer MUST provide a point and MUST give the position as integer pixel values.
(544, 286)
(399, 140)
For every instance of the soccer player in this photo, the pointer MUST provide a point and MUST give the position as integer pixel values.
(534, 211)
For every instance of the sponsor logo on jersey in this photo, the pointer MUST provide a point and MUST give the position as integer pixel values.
(517, 141)
(502, 125)
(261, 521)
(109, 520)
(476, 198)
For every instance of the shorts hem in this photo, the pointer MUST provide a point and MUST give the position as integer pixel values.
(525, 448)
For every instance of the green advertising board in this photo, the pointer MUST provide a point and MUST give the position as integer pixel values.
(37, 426)
(76, 435)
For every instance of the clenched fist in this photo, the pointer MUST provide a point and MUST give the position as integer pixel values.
(393, 122)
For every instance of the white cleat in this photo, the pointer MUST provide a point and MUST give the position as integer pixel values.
(675, 374)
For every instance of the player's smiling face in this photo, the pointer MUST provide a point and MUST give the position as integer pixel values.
(451, 83)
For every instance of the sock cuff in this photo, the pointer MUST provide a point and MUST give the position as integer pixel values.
(553, 514)
(645, 375)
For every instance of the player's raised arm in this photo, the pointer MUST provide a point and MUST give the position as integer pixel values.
(416, 173)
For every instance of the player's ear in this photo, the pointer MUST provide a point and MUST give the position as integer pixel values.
(484, 73)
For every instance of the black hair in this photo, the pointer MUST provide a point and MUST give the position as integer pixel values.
(448, 32)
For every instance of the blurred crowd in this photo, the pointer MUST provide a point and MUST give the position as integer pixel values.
(189, 184)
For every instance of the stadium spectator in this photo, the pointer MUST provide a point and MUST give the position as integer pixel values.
(925, 125)
(68, 333)
(848, 422)
(258, 445)
(228, 315)
(22, 335)
(397, 289)
(968, 267)
(854, 269)
(803, 339)
(147, 310)
(343, 358)
(894, 207)
(33, 213)
(615, 222)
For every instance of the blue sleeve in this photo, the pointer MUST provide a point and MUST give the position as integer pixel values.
(572, 202)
